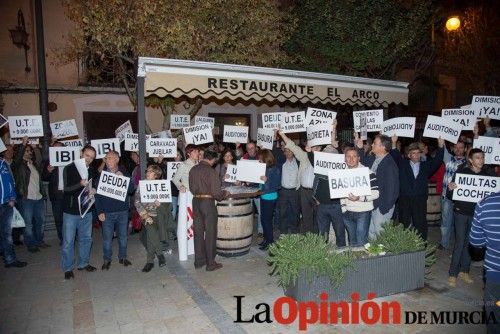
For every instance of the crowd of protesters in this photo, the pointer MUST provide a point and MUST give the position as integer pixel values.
(293, 198)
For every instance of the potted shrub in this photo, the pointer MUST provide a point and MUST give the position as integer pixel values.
(306, 265)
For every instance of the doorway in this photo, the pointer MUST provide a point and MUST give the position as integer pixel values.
(101, 125)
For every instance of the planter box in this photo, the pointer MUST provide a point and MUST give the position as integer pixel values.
(384, 275)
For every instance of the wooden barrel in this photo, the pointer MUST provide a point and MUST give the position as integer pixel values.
(433, 206)
(234, 227)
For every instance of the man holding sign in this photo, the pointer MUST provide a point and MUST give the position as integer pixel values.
(113, 212)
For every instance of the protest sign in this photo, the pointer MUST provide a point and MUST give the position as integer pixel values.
(272, 120)
(320, 134)
(113, 186)
(72, 143)
(172, 167)
(64, 129)
(132, 142)
(436, 127)
(399, 126)
(161, 134)
(318, 116)
(490, 147)
(465, 117)
(473, 188)
(25, 126)
(293, 122)
(204, 119)
(198, 134)
(167, 147)
(354, 181)
(179, 121)
(363, 130)
(155, 190)
(122, 130)
(82, 168)
(325, 162)
(374, 120)
(484, 106)
(63, 156)
(232, 171)
(31, 141)
(86, 199)
(103, 146)
(265, 138)
(235, 134)
(3, 121)
(2, 146)
(250, 171)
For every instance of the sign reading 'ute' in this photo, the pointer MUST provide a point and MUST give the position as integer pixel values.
(179, 121)
(293, 122)
(155, 190)
(25, 126)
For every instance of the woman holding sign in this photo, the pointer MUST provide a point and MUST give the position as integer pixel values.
(228, 157)
(463, 211)
(270, 188)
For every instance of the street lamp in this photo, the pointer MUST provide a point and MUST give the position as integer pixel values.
(453, 23)
(19, 37)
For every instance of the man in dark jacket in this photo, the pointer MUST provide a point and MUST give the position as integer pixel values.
(414, 177)
(72, 220)
(113, 214)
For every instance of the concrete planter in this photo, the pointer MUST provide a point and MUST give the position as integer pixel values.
(383, 275)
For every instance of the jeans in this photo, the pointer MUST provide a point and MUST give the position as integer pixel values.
(175, 203)
(57, 211)
(289, 209)
(267, 212)
(6, 212)
(119, 221)
(491, 297)
(460, 260)
(33, 212)
(331, 213)
(447, 225)
(377, 222)
(256, 201)
(72, 224)
(357, 225)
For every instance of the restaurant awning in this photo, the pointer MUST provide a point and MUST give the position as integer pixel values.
(192, 79)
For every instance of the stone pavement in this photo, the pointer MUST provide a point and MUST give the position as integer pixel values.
(179, 299)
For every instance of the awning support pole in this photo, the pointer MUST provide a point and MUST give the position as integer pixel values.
(141, 123)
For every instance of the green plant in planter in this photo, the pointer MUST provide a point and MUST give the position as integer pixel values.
(309, 253)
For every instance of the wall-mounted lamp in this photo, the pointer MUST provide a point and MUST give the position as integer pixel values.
(19, 37)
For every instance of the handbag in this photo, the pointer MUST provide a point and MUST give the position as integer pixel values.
(17, 219)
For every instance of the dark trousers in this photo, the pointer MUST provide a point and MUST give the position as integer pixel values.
(413, 211)
(267, 211)
(460, 260)
(205, 231)
(331, 213)
(165, 221)
(57, 211)
(289, 209)
(491, 297)
(307, 207)
(152, 242)
(6, 213)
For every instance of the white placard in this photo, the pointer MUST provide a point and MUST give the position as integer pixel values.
(250, 171)
(473, 188)
(72, 143)
(490, 147)
(2, 146)
(320, 134)
(399, 126)
(167, 147)
(483, 106)
(63, 156)
(232, 171)
(272, 120)
(204, 119)
(325, 162)
(198, 134)
(265, 138)
(374, 120)
(132, 142)
(155, 190)
(235, 134)
(3, 121)
(64, 129)
(465, 117)
(436, 127)
(293, 122)
(31, 141)
(172, 167)
(82, 169)
(122, 130)
(179, 121)
(103, 146)
(113, 186)
(22, 126)
(354, 181)
(318, 116)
